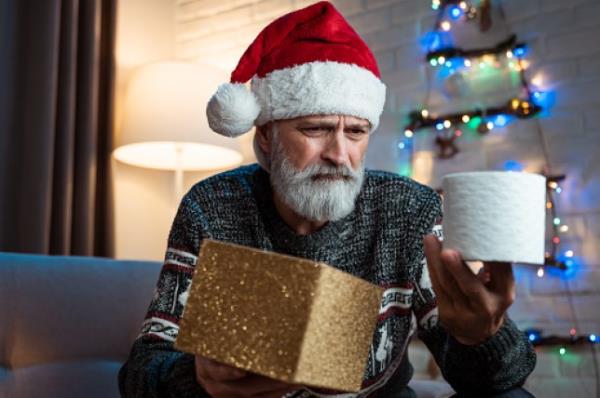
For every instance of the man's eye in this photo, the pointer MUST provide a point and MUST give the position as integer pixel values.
(313, 130)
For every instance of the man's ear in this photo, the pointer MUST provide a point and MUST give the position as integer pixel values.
(264, 137)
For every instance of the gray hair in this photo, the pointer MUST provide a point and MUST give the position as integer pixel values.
(263, 159)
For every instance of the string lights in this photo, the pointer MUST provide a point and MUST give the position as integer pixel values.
(562, 342)
(457, 10)
(488, 117)
(552, 258)
(511, 54)
(448, 127)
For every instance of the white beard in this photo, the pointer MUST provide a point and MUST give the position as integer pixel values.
(309, 193)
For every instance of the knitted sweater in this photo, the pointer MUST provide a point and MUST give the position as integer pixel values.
(380, 241)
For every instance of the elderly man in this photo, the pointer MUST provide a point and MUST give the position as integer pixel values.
(315, 98)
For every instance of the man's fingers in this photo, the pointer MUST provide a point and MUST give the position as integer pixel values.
(212, 370)
(432, 249)
(502, 280)
(468, 283)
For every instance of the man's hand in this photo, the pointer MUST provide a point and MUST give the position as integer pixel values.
(471, 307)
(223, 381)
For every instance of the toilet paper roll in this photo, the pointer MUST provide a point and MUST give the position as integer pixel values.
(495, 216)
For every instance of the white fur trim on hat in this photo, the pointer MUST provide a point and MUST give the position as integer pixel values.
(232, 110)
(317, 88)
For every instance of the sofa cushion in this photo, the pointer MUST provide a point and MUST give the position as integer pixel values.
(69, 308)
(88, 379)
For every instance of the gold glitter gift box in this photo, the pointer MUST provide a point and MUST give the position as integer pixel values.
(280, 316)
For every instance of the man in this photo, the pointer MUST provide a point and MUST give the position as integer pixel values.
(316, 97)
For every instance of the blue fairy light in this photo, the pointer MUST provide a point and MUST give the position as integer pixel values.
(520, 51)
(455, 12)
(439, 126)
(501, 120)
(533, 334)
(532, 337)
(593, 338)
(513, 165)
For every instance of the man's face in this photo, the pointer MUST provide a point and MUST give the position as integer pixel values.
(334, 140)
(317, 164)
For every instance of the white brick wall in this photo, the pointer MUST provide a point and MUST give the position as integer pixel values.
(565, 50)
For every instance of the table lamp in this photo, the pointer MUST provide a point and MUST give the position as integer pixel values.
(164, 121)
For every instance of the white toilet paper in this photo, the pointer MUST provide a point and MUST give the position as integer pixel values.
(495, 216)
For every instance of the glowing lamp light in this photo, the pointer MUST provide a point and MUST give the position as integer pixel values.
(466, 118)
(556, 221)
(441, 60)
(433, 62)
(490, 125)
(509, 54)
(435, 4)
(162, 128)
(439, 126)
(467, 63)
(463, 5)
(556, 240)
(401, 145)
(564, 228)
(408, 133)
(553, 184)
(446, 26)
(592, 338)
(447, 124)
(558, 190)
(425, 113)
(548, 205)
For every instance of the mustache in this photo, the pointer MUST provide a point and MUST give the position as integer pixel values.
(325, 171)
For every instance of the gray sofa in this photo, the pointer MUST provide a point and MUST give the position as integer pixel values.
(67, 324)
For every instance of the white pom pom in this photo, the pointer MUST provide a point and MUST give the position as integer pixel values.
(232, 110)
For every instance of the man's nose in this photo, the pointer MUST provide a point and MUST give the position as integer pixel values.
(336, 150)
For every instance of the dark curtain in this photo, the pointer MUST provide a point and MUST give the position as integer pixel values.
(56, 94)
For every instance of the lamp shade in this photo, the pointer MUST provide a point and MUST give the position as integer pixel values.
(164, 120)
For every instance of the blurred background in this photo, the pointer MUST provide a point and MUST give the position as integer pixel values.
(88, 90)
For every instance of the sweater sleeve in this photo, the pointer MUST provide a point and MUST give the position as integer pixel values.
(154, 367)
(502, 362)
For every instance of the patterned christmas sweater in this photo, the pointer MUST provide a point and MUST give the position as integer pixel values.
(380, 241)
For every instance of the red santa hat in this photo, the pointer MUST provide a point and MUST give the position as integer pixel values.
(307, 62)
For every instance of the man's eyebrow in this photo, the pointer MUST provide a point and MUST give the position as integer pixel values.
(332, 125)
(358, 126)
(316, 123)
